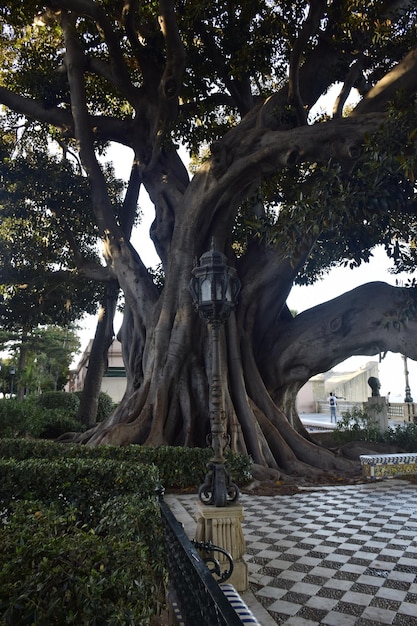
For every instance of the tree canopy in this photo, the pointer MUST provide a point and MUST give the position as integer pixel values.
(286, 189)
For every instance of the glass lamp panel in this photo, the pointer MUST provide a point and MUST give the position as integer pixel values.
(219, 289)
(205, 290)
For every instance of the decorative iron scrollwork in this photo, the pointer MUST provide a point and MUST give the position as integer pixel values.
(218, 489)
(212, 563)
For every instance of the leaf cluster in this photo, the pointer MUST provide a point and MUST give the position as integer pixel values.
(47, 230)
(343, 213)
(45, 416)
(238, 54)
(90, 552)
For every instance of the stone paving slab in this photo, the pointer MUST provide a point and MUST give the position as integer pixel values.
(340, 556)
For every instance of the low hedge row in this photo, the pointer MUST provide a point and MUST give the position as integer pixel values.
(56, 570)
(178, 467)
(80, 536)
(80, 542)
(84, 483)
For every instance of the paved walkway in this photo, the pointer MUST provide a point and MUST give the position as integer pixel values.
(341, 556)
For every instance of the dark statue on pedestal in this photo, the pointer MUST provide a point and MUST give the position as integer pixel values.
(375, 385)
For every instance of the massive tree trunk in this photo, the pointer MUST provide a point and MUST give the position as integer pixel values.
(266, 354)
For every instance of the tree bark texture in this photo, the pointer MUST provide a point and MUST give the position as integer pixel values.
(266, 354)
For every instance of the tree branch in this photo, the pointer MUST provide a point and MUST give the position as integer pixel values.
(35, 110)
(353, 76)
(130, 202)
(368, 320)
(403, 78)
(247, 153)
(104, 128)
(120, 74)
(310, 26)
(171, 80)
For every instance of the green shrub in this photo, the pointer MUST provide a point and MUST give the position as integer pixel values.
(84, 483)
(51, 423)
(178, 467)
(356, 425)
(68, 402)
(54, 570)
(105, 406)
(134, 518)
(36, 416)
(15, 417)
(403, 435)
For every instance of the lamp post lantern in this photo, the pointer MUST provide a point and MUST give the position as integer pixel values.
(214, 288)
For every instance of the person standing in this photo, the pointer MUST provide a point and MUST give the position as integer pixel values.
(332, 404)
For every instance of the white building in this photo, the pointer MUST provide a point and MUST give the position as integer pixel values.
(114, 379)
(349, 386)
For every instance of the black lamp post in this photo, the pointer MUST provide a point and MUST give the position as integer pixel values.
(12, 372)
(408, 397)
(214, 288)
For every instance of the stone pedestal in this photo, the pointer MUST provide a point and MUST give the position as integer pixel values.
(222, 526)
(378, 412)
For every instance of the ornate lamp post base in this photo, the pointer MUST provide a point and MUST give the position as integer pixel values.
(217, 488)
(223, 527)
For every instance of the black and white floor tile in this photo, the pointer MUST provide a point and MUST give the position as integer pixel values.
(341, 556)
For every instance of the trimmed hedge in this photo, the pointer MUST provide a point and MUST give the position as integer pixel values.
(55, 570)
(80, 541)
(84, 483)
(178, 467)
(68, 402)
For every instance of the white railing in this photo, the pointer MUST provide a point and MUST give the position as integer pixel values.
(397, 411)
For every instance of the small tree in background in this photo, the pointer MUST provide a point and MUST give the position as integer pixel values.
(44, 357)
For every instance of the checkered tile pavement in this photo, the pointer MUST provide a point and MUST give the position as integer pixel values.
(341, 556)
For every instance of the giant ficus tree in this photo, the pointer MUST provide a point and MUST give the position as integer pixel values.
(285, 192)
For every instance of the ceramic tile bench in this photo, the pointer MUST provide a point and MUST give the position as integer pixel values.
(385, 465)
(238, 605)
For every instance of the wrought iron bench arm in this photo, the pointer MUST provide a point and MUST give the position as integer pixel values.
(213, 564)
(200, 598)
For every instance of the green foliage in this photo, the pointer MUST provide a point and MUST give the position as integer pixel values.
(54, 572)
(45, 209)
(178, 467)
(53, 423)
(14, 417)
(85, 483)
(403, 435)
(80, 541)
(59, 400)
(47, 416)
(30, 418)
(105, 405)
(42, 358)
(356, 425)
